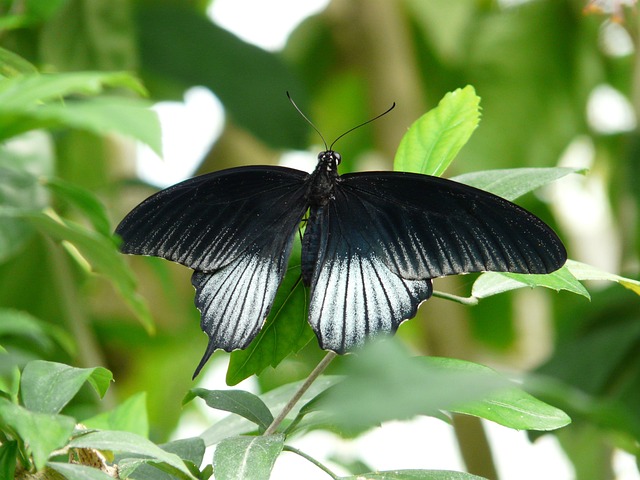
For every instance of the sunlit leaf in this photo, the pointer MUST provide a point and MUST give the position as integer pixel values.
(241, 458)
(128, 416)
(434, 140)
(78, 472)
(582, 271)
(414, 475)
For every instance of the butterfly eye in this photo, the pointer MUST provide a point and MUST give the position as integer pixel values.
(338, 157)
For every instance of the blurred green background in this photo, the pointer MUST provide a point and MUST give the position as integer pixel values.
(559, 83)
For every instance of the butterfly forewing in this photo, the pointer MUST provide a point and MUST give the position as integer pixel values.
(427, 227)
(208, 221)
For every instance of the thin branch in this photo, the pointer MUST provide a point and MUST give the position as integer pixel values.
(324, 363)
(456, 298)
(322, 467)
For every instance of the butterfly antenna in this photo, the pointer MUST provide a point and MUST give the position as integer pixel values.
(308, 121)
(363, 124)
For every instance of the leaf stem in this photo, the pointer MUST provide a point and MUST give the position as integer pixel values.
(324, 363)
(288, 448)
(456, 298)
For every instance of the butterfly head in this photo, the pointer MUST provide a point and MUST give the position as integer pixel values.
(329, 160)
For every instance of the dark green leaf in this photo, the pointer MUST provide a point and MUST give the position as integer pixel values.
(250, 82)
(78, 472)
(128, 416)
(241, 403)
(514, 182)
(12, 64)
(414, 475)
(43, 432)
(247, 458)
(8, 457)
(129, 443)
(48, 386)
(434, 140)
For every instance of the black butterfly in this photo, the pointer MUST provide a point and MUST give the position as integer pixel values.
(373, 242)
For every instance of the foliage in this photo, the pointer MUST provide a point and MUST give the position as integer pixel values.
(68, 111)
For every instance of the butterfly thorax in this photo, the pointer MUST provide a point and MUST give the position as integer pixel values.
(322, 181)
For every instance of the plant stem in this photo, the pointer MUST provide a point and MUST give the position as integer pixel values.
(456, 298)
(288, 448)
(324, 363)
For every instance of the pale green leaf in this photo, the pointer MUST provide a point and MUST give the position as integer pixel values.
(78, 472)
(434, 140)
(128, 416)
(582, 271)
(414, 475)
(247, 458)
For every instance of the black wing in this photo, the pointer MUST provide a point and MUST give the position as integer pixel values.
(427, 227)
(384, 235)
(235, 228)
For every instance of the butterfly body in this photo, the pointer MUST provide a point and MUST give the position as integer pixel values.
(373, 242)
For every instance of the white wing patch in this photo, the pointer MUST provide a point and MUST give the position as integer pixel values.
(355, 297)
(235, 300)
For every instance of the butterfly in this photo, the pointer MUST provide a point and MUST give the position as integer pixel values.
(372, 243)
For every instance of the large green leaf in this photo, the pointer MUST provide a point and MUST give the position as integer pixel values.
(241, 403)
(414, 475)
(514, 182)
(434, 140)
(384, 383)
(582, 271)
(42, 432)
(40, 333)
(250, 82)
(285, 331)
(128, 443)
(48, 386)
(247, 458)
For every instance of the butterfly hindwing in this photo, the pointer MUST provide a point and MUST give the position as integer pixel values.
(354, 295)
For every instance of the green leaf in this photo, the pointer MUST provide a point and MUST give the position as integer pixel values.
(48, 386)
(492, 283)
(514, 182)
(434, 140)
(129, 443)
(78, 472)
(285, 331)
(128, 416)
(84, 200)
(26, 91)
(191, 450)
(414, 475)
(8, 458)
(247, 458)
(241, 403)
(582, 271)
(384, 383)
(275, 400)
(42, 432)
(101, 254)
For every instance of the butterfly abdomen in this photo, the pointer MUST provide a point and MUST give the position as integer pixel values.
(310, 245)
